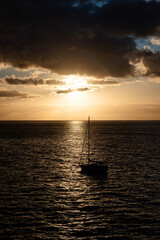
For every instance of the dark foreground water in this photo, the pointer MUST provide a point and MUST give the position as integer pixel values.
(43, 195)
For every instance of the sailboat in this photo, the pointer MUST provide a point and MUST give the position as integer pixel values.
(91, 167)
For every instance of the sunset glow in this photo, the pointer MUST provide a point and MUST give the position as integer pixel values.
(81, 55)
(75, 81)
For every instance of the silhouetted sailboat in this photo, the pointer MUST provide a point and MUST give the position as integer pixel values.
(91, 167)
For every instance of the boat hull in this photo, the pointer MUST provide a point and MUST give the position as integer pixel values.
(94, 169)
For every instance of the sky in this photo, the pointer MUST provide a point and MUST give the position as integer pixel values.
(65, 59)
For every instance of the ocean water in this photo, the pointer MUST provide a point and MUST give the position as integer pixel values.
(43, 194)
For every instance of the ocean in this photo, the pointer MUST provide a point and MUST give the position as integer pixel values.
(43, 194)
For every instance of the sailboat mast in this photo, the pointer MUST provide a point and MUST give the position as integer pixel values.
(89, 139)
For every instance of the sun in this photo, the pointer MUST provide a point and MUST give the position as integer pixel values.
(76, 84)
(76, 98)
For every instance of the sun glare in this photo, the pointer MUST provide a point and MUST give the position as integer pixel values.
(76, 98)
(76, 85)
(74, 82)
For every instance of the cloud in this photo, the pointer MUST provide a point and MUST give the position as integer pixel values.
(155, 79)
(67, 38)
(13, 94)
(155, 41)
(131, 17)
(146, 63)
(12, 80)
(54, 82)
(23, 81)
(66, 91)
(152, 63)
(3, 66)
(103, 82)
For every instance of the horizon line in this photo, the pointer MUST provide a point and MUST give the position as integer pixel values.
(78, 120)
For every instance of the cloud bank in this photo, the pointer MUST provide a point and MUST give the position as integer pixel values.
(13, 94)
(12, 80)
(70, 37)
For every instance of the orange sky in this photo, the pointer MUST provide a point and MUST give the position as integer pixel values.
(128, 100)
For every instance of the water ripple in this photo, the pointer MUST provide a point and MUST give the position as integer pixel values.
(44, 195)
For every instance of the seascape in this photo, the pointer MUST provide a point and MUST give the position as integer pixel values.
(45, 196)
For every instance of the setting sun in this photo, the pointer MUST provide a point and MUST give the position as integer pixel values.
(76, 98)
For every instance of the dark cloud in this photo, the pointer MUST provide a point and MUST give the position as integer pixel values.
(12, 80)
(54, 82)
(66, 91)
(103, 82)
(150, 59)
(152, 63)
(23, 81)
(70, 37)
(140, 18)
(13, 94)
